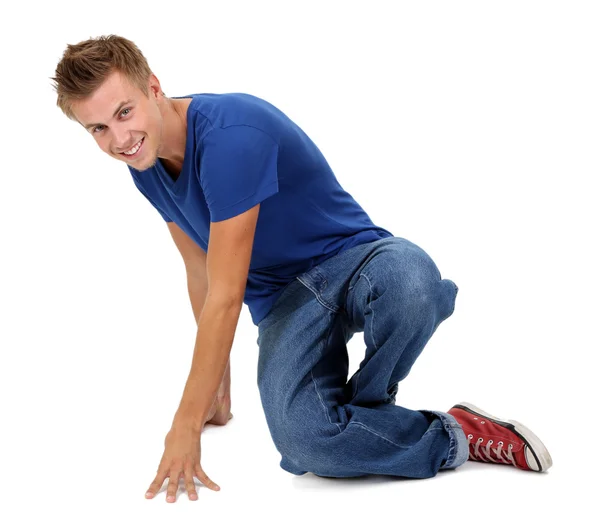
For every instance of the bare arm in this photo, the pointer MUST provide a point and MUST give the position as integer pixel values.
(227, 265)
(194, 258)
(197, 290)
(206, 396)
(217, 299)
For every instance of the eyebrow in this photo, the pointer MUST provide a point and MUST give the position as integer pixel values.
(114, 114)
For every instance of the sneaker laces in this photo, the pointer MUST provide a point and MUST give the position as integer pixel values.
(487, 454)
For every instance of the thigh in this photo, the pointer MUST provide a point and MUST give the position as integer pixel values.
(400, 260)
(302, 366)
(398, 279)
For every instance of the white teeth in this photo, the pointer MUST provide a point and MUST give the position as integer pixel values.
(134, 149)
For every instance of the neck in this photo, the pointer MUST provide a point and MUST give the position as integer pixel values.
(174, 131)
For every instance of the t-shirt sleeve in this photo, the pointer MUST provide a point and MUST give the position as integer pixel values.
(238, 170)
(145, 194)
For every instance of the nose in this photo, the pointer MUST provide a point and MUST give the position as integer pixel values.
(126, 146)
(123, 141)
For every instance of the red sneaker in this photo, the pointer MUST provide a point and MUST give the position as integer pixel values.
(494, 440)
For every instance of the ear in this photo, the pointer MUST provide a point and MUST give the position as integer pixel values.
(154, 88)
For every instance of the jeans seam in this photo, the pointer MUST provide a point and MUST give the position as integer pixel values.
(452, 449)
(451, 427)
(356, 385)
(375, 433)
(318, 296)
(358, 373)
(316, 388)
(323, 403)
(371, 308)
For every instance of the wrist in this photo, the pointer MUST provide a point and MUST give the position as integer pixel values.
(183, 420)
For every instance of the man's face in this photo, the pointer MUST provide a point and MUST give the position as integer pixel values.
(140, 118)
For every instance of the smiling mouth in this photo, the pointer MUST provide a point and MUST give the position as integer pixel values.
(139, 147)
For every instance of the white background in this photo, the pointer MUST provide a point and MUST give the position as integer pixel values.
(469, 128)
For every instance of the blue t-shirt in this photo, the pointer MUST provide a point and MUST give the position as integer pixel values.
(240, 151)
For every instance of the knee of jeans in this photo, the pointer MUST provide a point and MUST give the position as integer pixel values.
(306, 451)
(304, 443)
(415, 293)
(449, 291)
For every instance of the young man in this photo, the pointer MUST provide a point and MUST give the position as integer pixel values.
(260, 218)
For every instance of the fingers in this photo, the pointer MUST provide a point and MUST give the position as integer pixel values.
(201, 475)
(157, 483)
(174, 476)
(190, 486)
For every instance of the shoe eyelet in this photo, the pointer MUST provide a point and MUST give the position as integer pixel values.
(500, 443)
(480, 439)
(490, 441)
(470, 436)
(483, 421)
(510, 446)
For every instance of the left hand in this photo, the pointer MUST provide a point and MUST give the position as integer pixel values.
(181, 458)
(220, 412)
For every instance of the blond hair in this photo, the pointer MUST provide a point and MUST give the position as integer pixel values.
(86, 65)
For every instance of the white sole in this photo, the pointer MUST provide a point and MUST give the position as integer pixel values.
(535, 447)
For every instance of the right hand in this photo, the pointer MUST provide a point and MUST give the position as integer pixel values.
(181, 458)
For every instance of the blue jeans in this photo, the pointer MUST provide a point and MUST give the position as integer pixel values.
(391, 290)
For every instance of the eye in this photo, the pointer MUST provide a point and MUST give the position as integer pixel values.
(95, 129)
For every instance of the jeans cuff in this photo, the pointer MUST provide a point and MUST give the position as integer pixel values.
(458, 453)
